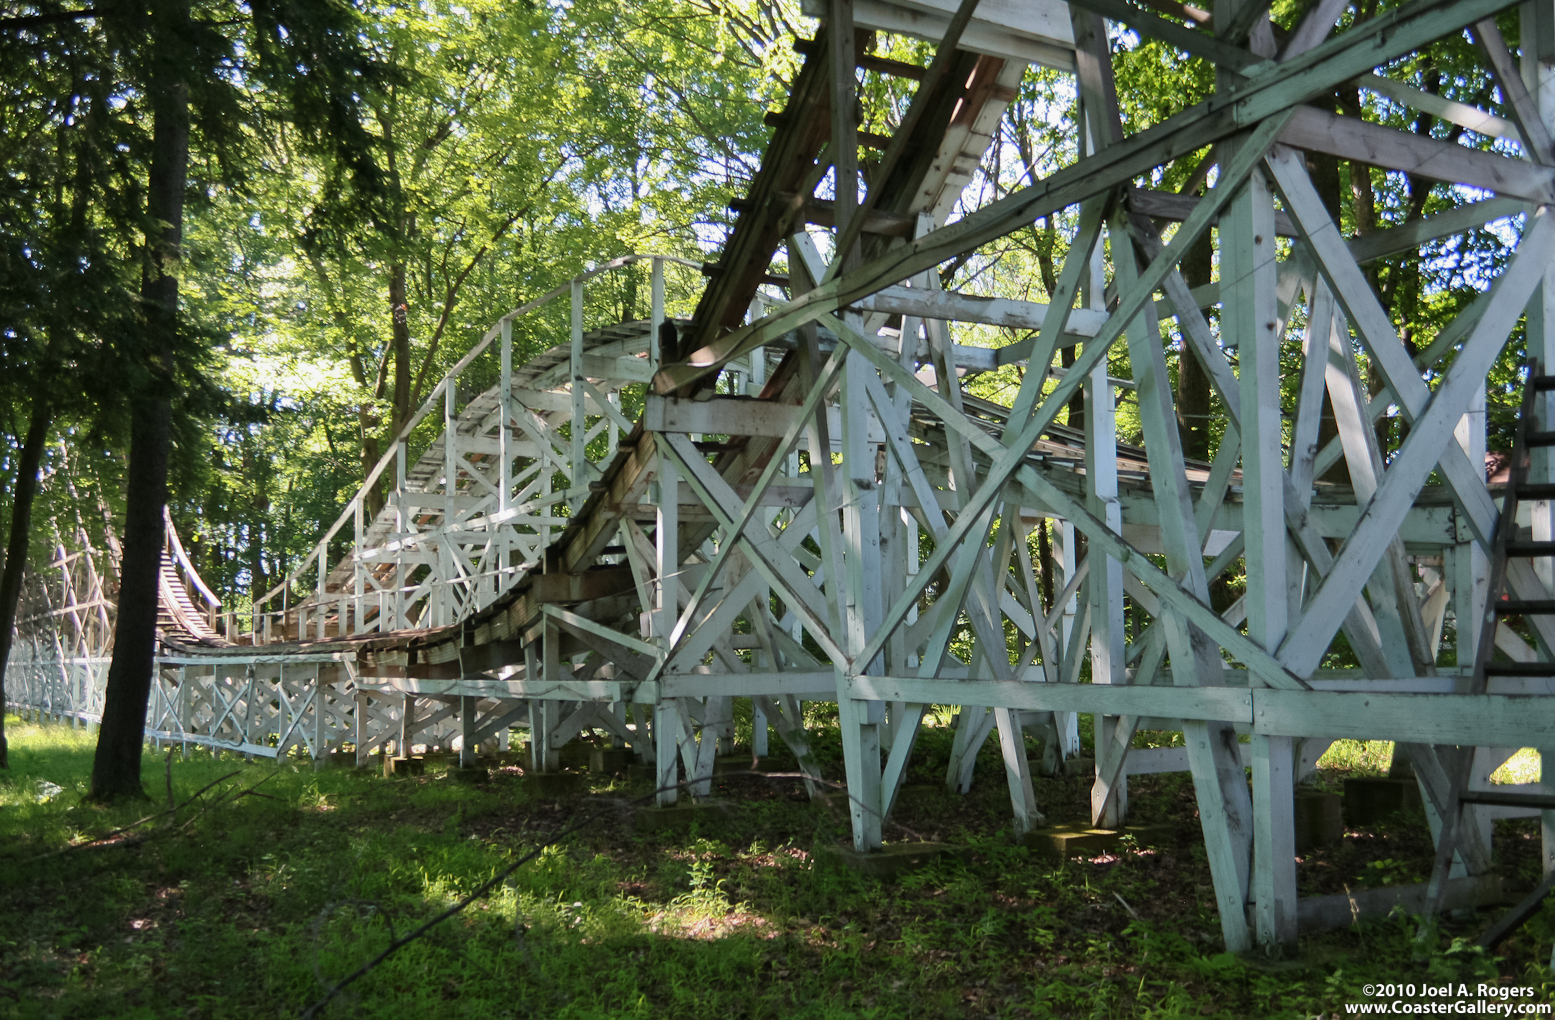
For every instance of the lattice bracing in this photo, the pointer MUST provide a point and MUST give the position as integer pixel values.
(812, 507)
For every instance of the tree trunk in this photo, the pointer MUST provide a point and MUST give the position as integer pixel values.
(16, 548)
(400, 337)
(1193, 389)
(116, 767)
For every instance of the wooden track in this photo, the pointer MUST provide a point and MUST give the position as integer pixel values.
(812, 507)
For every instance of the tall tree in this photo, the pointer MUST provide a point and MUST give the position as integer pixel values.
(61, 270)
(116, 766)
(306, 53)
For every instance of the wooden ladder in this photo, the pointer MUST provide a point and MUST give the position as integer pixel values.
(1506, 544)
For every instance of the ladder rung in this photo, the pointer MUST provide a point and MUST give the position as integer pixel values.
(1530, 548)
(1520, 669)
(1540, 439)
(1543, 382)
(1508, 798)
(1522, 607)
(1536, 490)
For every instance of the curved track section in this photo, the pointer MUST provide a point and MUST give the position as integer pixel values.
(810, 506)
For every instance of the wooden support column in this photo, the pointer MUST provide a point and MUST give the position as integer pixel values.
(551, 670)
(361, 720)
(320, 699)
(863, 609)
(1250, 317)
(1225, 809)
(1109, 800)
(666, 719)
(579, 467)
(467, 730)
(401, 520)
(656, 311)
(407, 724)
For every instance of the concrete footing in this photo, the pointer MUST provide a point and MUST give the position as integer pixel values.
(1061, 842)
(726, 763)
(1319, 819)
(575, 755)
(1081, 768)
(610, 760)
(1367, 801)
(404, 766)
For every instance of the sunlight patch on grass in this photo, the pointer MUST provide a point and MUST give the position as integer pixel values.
(1522, 767)
(45, 763)
(1364, 757)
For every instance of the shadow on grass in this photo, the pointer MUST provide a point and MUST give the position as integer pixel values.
(260, 904)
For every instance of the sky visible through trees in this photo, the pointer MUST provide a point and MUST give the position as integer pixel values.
(363, 203)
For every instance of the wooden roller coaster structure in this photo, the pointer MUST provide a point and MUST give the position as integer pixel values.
(810, 506)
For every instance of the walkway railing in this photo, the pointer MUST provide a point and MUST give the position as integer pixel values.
(476, 510)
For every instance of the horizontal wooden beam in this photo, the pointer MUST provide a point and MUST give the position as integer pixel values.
(1340, 910)
(870, 62)
(1355, 139)
(735, 416)
(1475, 720)
(821, 212)
(1277, 88)
(991, 311)
(1169, 205)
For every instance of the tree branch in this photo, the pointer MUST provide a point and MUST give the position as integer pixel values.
(33, 20)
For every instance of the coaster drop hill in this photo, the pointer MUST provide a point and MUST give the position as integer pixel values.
(811, 501)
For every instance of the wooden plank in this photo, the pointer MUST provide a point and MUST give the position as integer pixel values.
(1530, 124)
(1482, 720)
(735, 416)
(1275, 91)
(1316, 914)
(1169, 205)
(818, 685)
(1354, 139)
(1205, 703)
(1462, 114)
(1026, 32)
(1430, 434)
(994, 311)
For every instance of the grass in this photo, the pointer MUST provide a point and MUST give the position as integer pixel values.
(254, 907)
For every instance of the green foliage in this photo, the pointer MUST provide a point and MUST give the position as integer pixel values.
(254, 906)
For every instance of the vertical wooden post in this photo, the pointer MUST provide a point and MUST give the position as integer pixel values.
(323, 613)
(467, 727)
(666, 720)
(579, 426)
(358, 569)
(407, 726)
(1109, 801)
(657, 313)
(505, 456)
(550, 709)
(401, 523)
(321, 692)
(361, 720)
(862, 610)
(1248, 242)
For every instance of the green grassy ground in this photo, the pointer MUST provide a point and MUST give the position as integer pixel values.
(256, 905)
